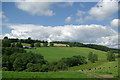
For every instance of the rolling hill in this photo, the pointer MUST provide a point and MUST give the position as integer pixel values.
(56, 53)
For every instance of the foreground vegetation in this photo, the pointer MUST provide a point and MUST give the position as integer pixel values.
(11, 74)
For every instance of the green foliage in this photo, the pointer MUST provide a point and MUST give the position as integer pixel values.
(92, 57)
(51, 44)
(6, 42)
(45, 44)
(5, 37)
(44, 68)
(5, 61)
(37, 44)
(74, 61)
(13, 45)
(19, 44)
(21, 62)
(11, 50)
(33, 67)
(4, 69)
(110, 56)
(32, 45)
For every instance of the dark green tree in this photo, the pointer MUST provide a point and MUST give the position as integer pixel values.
(37, 44)
(5, 37)
(51, 44)
(21, 62)
(92, 57)
(19, 44)
(96, 57)
(13, 45)
(110, 56)
(45, 44)
(32, 45)
(6, 42)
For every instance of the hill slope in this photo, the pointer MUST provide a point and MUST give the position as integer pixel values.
(56, 53)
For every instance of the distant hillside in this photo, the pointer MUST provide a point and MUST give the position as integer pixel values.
(65, 44)
(56, 53)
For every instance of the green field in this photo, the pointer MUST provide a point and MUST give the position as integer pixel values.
(26, 44)
(102, 68)
(11, 74)
(56, 53)
(87, 66)
(108, 68)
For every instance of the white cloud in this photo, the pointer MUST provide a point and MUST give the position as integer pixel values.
(115, 23)
(95, 34)
(80, 13)
(68, 19)
(104, 9)
(36, 8)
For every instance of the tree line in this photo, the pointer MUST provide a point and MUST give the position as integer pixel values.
(36, 43)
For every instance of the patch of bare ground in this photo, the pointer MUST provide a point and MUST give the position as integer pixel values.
(107, 76)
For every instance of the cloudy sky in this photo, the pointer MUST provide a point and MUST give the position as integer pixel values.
(85, 22)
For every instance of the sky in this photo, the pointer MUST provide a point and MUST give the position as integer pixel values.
(85, 22)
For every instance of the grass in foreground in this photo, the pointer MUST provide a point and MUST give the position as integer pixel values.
(110, 68)
(11, 74)
(56, 53)
(87, 66)
(99, 69)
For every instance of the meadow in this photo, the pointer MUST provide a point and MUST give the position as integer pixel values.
(12, 74)
(56, 53)
(99, 68)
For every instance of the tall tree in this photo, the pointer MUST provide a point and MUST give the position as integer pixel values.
(6, 42)
(92, 57)
(37, 44)
(51, 44)
(32, 45)
(19, 44)
(45, 44)
(13, 45)
(110, 56)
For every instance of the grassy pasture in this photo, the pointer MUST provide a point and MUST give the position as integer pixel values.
(108, 68)
(26, 44)
(11, 74)
(87, 66)
(56, 53)
(98, 68)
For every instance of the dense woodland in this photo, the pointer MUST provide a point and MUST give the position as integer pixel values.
(16, 58)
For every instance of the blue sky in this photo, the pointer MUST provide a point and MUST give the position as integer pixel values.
(17, 16)
(95, 21)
